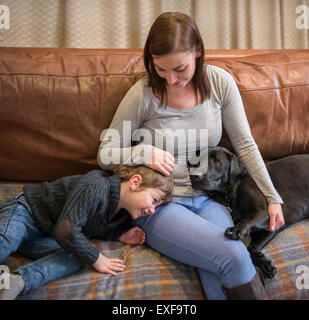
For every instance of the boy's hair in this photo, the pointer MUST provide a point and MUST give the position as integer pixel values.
(150, 179)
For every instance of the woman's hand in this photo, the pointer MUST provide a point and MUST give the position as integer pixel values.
(275, 216)
(108, 265)
(162, 161)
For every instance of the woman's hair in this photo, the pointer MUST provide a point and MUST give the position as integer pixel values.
(175, 32)
(150, 179)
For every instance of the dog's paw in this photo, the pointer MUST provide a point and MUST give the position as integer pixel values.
(268, 269)
(232, 233)
(263, 263)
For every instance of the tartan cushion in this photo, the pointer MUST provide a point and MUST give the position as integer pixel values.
(287, 250)
(150, 275)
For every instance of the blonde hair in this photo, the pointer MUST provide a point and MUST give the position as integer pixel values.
(150, 179)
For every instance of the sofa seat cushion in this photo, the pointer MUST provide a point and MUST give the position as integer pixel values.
(150, 275)
(289, 251)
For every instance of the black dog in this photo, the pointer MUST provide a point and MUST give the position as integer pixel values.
(228, 182)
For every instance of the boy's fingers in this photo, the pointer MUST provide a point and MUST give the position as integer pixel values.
(117, 260)
(121, 265)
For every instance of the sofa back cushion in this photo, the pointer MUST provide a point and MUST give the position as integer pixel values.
(275, 92)
(55, 102)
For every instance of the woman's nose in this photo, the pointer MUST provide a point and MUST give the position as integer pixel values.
(171, 78)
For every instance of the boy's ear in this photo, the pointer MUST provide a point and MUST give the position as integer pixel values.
(135, 182)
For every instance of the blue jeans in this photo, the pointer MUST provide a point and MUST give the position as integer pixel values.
(19, 230)
(191, 230)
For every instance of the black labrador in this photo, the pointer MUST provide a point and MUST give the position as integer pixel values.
(228, 182)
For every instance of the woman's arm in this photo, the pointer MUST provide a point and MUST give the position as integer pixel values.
(237, 127)
(115, 148)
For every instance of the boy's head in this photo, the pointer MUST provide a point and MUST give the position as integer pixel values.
(144, 189)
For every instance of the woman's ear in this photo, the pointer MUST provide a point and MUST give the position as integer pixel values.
(198, 52)
(135, 182)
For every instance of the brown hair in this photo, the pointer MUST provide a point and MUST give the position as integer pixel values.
(175, 32)
(150, 179)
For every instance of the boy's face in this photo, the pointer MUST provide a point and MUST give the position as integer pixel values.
(142, 202)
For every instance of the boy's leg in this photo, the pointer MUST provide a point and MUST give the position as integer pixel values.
(182, 235)
(16, 226)
(16, 286)
(39, 247)
(54, 266)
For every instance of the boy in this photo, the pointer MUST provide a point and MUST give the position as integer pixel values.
(69, 210)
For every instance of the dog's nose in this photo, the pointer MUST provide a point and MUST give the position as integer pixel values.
(197, 177)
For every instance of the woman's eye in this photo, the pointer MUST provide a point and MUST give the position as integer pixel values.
(180, 70)
(159, 69)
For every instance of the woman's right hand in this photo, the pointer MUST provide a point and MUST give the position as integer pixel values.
(162, 161)
(108, 265)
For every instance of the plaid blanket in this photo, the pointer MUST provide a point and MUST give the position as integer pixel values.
(151, 276)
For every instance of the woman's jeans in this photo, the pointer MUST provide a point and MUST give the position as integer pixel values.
(18, 229)
(191, 230)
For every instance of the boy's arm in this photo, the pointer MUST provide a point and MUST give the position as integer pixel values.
(68, 230)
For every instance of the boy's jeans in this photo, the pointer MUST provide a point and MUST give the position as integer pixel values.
(191, 230)
(19, 230)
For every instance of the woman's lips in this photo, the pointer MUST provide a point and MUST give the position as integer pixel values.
(177, 83)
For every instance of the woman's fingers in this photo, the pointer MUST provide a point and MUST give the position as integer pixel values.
(163, 169)
(163, 161)
(161, 156)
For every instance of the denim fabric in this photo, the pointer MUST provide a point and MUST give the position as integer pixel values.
(19, 230)
(191, 230)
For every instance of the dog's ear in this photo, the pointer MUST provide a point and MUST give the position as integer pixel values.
(237, 169)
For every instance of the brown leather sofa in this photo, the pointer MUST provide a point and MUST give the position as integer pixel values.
(54, 104)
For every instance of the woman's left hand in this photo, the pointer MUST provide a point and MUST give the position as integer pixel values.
(275, 216)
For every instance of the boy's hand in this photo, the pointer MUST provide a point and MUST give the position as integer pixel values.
(108, 265)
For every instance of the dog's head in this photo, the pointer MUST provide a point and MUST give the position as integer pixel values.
(224, 170)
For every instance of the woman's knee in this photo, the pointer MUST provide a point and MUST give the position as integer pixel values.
(216, 213)
(237, 262)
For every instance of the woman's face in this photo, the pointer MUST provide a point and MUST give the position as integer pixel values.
(176, 68)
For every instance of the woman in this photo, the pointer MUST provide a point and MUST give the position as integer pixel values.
(181, 93)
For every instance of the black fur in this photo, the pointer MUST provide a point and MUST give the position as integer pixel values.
(228, 182)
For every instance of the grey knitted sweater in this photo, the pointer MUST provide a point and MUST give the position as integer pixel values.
(76, 208)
